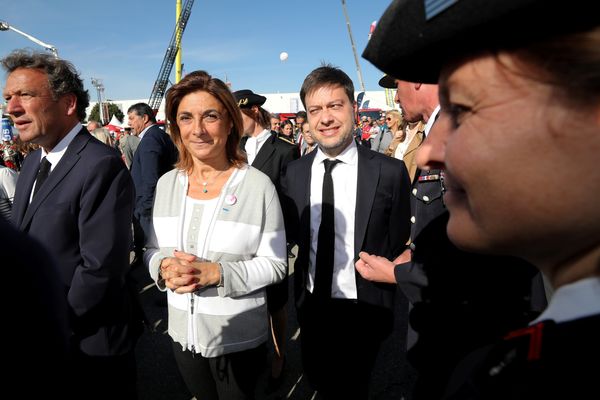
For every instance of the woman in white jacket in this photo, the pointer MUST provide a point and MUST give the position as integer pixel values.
(219, 241)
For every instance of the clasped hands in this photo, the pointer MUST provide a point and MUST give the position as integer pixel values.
(186, 273)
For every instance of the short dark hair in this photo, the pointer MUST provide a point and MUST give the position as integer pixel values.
(301, 114)
(201, 81)
(142, 109)
(63, 78)
(326, 75)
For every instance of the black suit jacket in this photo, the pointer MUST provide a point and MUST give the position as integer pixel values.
(381, 224)
(40, 314)
(155, 155)
(82, 214)
(273, 157)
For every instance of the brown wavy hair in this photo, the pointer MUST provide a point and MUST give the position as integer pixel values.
(201, 81)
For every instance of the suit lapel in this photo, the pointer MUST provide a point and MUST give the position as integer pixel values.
(301, 182)
(264, 154)
(414, 143)
(66, 163)
(368, 177)
(24, 186)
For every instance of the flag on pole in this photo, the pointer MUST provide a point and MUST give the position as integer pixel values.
(372, 29)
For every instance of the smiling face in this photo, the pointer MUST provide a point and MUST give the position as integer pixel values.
(39, 118)
(522, 170)
(287, 130)
(331, 118)
(306, 135)
(204, 126)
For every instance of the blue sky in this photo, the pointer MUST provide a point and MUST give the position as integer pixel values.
(123, 42)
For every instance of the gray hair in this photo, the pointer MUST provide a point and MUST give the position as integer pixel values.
(63, 78)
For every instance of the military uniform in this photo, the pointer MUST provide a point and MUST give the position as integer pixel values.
(461, 301)
(543, 361)
(287, 139)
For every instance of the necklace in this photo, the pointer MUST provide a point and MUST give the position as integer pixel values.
(206, 183)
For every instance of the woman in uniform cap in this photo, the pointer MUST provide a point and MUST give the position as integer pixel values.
(518, 138)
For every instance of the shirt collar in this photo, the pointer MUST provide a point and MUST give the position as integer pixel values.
(142, 133)
(573, 301)
(348, 156)
(261, 137)
(431, 120)
(58, 151)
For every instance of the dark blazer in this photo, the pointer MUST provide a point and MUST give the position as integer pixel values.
(82, 214)
(273, 157)
(156, 154)
(40, 314)
(381, 224)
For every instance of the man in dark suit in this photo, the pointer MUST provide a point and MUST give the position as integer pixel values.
(155, 154)
(75, 195)
(342, 199)
(270, 155)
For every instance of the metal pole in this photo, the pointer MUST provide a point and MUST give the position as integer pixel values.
(178, 66)
(4, 26)
(97, 83)
(360, 78)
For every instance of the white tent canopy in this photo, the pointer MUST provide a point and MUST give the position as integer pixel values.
(114, 121)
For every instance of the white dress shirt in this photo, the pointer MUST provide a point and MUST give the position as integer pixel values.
(431, 120)
(57, 152)
(142, 133)
(345, 177)
(573, 301)
(254, 144)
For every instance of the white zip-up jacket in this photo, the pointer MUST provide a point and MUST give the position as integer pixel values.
(246, 235)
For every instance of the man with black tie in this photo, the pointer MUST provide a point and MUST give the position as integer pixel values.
(75, 196)
(155, 155)
(269, 154)
(342, 199)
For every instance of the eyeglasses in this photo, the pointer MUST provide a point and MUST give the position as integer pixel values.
(388, 119)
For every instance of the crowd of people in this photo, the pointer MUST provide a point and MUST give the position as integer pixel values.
(457, 200)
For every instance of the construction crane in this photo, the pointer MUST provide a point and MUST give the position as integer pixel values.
(160, 86)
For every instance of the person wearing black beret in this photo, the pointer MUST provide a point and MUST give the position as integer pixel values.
(459, 298)
(270, 155)
(517, 139)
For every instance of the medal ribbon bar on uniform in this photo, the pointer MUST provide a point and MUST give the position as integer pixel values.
(432, 177)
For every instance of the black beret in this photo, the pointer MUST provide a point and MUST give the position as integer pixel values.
(387, 82)
(414, 38)
(247, 98)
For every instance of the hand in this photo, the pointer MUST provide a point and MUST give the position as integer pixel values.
(405, 257)
(375, 268)
(178, 274)
(205, 273)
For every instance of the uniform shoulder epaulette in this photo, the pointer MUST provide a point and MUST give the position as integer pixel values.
(286, 140)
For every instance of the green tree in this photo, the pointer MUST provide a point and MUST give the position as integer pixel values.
(113, 109)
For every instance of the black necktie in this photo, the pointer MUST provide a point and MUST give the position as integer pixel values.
(326, 240)
(42, 174)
